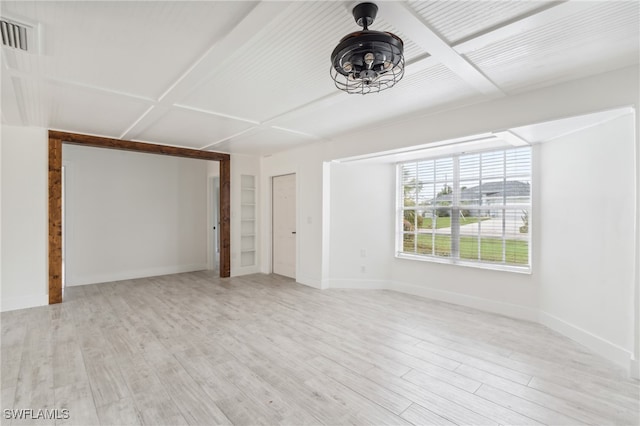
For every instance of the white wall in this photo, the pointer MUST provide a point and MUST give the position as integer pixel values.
(306, 163)
(131, 215)
(24, 217)
(508, 293)
(587, 243)
(362, 225)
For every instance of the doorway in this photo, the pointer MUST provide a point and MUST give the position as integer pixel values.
(284, 225)
(57, 138)
(214, 243)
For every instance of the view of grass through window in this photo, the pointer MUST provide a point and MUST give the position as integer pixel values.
(470, 207)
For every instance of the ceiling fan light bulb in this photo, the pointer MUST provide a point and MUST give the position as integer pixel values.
(347, 67)
(368, 58)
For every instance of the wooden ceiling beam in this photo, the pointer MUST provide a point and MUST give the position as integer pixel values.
(102, 142)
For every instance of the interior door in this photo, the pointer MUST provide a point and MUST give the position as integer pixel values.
(284, 225)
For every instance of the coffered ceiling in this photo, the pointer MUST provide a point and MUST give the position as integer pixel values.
(253, 77)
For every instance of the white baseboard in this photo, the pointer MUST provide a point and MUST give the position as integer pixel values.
(488, 305)
(359, 283)
(308, 281)
(132, 275)
(511, 310)
(13, 303)
(602, 347)
(595, 343)
(634, 368)
(248, 270)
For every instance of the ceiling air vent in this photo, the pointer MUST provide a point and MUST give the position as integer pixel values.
(15, 35)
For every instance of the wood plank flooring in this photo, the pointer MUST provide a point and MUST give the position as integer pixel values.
(262, 350)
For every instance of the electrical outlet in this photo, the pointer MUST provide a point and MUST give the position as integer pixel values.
(363, 253)
(363, 269)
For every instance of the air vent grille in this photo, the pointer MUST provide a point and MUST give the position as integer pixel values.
(14, 35)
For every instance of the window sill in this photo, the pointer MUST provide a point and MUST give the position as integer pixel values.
(447, 261)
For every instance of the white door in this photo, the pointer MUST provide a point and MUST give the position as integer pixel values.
(284, 225)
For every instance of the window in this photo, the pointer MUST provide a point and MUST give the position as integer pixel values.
(468, 209)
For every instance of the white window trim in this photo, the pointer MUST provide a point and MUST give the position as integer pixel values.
(467, 263)
(479, 264)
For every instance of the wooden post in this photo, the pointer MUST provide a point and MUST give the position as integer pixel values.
(55, 221)
(225, 218)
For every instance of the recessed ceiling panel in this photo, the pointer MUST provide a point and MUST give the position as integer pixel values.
(430, 88)
(134, 47)
(458, 20)
(192, 129)
(598, 37)
(286, 65)
(82, 110)
(264, 141)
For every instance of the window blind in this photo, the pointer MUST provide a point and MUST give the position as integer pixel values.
(470, 207)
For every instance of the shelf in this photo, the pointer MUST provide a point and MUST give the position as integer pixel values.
(248, 258)
(248, 220)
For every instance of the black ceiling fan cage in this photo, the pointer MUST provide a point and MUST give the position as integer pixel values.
(367, 61)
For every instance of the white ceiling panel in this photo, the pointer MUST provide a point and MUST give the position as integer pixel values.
(197, 73)
(434, 86)
(263, 141)
(132, 47)
(458, 20)
(192, 129)
(285, 66)
(598, 37)
(82, 110)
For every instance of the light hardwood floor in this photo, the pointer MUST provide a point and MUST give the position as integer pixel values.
(195, 349)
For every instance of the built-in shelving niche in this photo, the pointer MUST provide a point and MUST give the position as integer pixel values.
(247, 220)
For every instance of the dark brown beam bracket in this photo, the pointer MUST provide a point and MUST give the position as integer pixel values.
(57, 138)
